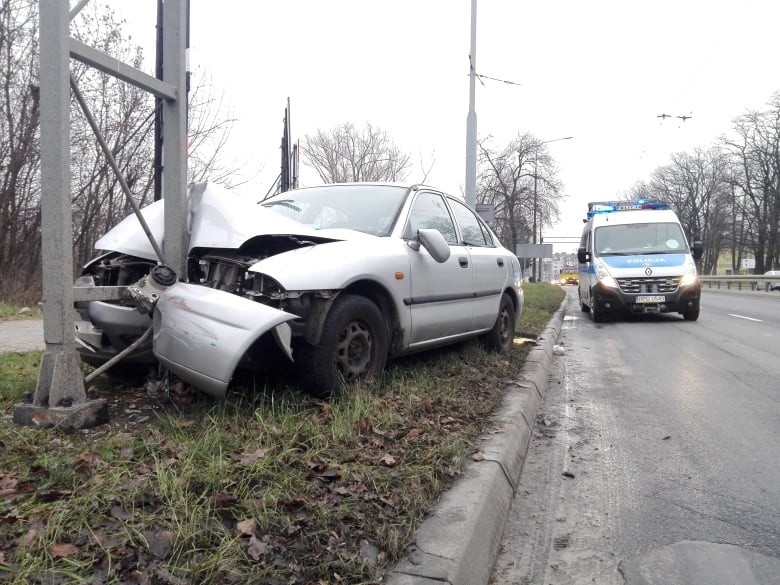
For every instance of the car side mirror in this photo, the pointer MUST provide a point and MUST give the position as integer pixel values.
(697, 249)
(582, 255)
(434, 242)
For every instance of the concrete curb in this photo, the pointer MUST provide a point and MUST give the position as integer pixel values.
(458, 543)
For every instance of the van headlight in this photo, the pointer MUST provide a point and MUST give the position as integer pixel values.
(604, 276)
(690, 277)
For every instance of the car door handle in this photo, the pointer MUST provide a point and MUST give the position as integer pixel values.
(463, 261)
(500, 262)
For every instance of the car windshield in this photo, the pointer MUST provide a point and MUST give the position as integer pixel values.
(639, 238)
(371, 209)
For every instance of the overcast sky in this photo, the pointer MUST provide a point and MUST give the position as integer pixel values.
(599, 70)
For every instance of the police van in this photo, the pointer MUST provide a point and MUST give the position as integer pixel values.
(634, 258)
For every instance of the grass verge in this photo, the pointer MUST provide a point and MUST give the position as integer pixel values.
(8, 312)
(267, 486)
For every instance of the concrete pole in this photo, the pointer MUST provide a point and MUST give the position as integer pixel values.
(59, 379)
(471, 119)
(60, 399)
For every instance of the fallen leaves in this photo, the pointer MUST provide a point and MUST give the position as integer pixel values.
(250, 458)
(62, 550)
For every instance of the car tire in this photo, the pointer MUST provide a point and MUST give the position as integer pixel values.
(353, 346)
(692, 314)
(502, 335)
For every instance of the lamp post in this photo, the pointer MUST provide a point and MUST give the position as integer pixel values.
(538, 276)
(471, 119)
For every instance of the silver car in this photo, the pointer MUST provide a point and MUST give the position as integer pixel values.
(338, 278)
(772, 285)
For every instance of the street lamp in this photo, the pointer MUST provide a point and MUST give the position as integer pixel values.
(536, 173)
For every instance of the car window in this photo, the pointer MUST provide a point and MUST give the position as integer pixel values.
(471, 229)
(430, 212)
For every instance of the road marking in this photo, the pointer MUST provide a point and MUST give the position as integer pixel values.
(743, 317)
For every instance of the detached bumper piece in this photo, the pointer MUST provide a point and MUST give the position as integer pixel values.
(201, 334)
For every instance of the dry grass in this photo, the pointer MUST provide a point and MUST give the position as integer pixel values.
(267, 486)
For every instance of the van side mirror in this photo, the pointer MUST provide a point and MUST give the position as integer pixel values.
(697, 250)
(582, 255)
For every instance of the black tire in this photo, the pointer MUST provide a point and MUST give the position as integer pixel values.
(596, 314)
(691, 314)
(583, 307)
(353, 346)
(502, 335)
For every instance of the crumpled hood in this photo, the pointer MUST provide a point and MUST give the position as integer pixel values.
(217, 218)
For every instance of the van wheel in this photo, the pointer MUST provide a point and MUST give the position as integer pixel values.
(583, 307)
(691, 315)
(596, 314)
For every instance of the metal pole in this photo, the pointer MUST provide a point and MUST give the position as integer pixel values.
(471, 119)
(175, 134)
(536, 172)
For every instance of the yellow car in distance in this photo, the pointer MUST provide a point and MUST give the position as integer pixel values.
(570, 275)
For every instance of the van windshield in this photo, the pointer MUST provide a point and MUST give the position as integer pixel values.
(639, 238)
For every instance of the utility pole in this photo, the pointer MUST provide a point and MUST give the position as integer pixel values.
(471, 119)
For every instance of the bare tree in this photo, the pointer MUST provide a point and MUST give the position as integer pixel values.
(347, 155)
(209, 133)
(756, 149)
(124, 115)
(697, 186)
(19, 150)
(521, 182)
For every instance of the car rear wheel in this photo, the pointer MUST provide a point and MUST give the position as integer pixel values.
(502, 335)
(353, 346)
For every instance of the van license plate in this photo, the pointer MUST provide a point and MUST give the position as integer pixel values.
(650, 299)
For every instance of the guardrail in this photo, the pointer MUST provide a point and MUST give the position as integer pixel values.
(739, 282)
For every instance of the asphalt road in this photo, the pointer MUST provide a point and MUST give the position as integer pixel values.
(656, 453)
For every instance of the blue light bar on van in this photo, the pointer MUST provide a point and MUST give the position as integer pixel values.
(632, 205)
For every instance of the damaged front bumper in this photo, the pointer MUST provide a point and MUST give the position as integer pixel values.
(201, 334)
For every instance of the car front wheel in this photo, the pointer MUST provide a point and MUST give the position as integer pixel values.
(502, 335)
(353, 346)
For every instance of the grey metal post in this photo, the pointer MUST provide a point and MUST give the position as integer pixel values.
(471, 119)
(536, 174)
(60, 399)
(175, 140)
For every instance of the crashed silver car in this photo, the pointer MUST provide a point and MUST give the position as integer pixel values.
(338, 277)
